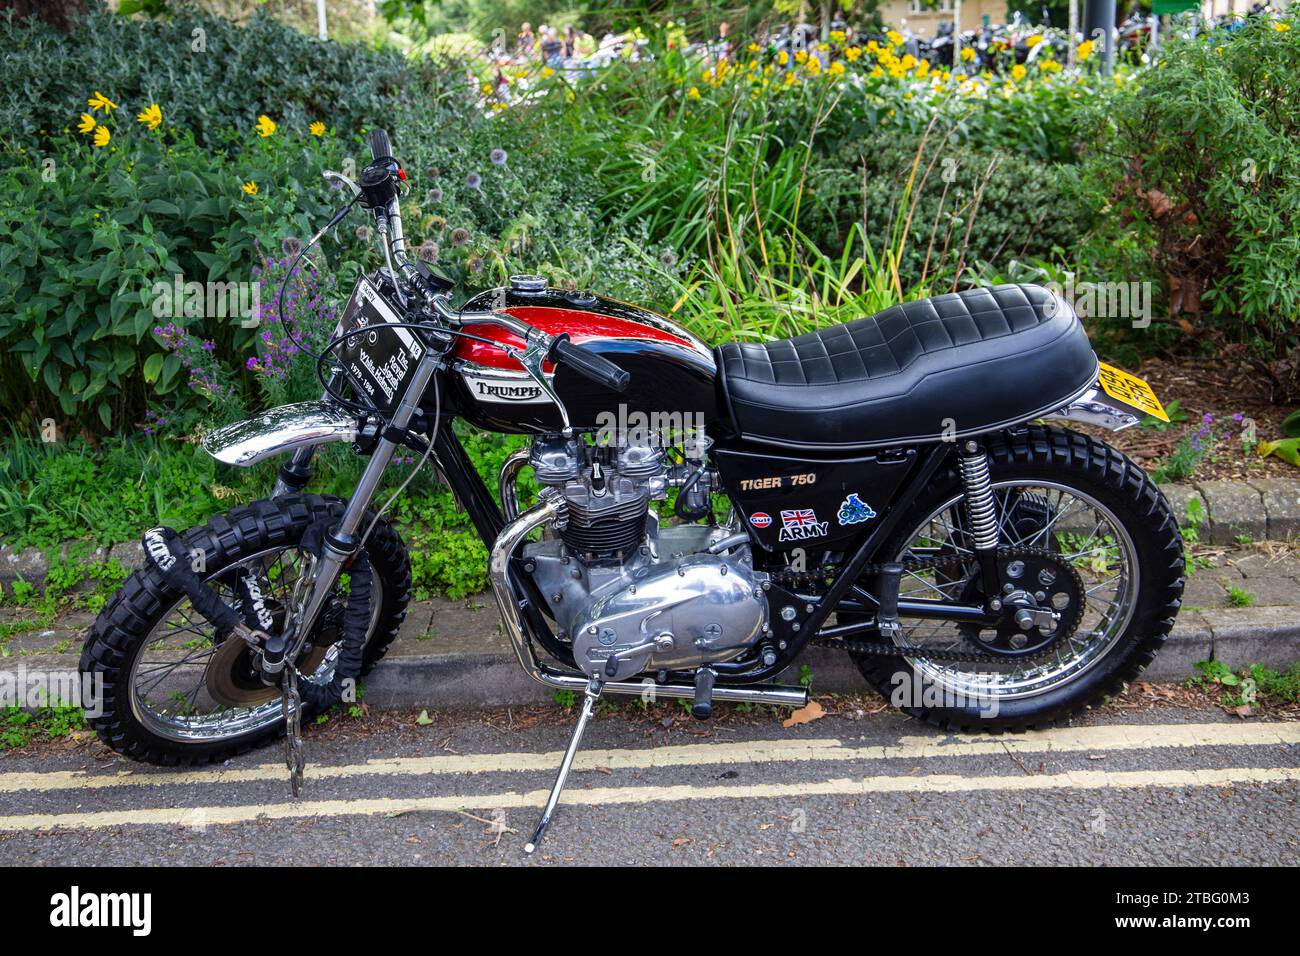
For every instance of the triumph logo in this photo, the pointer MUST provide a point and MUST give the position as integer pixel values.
(508, 393)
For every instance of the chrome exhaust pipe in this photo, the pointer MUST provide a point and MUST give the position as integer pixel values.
(551, 508)
(506, 483)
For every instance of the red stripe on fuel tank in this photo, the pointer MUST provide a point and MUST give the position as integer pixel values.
(581, 326)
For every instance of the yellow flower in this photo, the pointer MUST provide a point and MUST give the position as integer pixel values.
(852, 53)
(836, 68)
(967, 53)
(1049, 66)
(1018, 72)
(151, 117)
(754, 48)
(1084, 50)
(873, 46)
(922, 69)
(101, 102)
(783, 58)
(1281, 27)
(837, 36)
(547, 72)
(909, 61)
(1034, 40)
(485, 89)
(693, 92)
(265, 126)
(86, 124)
(102, 135)
(790, 79)
(877, 72)
(814, 65)
(895, 38)
(801, 56)
(250, 187)
(317, 128)
(823, 47)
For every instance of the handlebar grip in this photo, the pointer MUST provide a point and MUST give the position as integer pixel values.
(381, 147)
(590, 365)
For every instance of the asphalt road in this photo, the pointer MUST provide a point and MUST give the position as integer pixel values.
(1163, 786)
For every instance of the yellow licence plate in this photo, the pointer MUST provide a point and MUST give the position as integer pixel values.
(1131, 391)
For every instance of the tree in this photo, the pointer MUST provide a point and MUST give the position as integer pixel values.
(57, 13)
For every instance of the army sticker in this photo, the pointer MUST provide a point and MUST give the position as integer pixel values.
(802, 523)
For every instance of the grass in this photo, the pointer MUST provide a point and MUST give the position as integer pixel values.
(1240, 597)
(19, 727)
(97, 495)
(1251, 686)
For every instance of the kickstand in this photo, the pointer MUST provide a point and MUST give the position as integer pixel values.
(590, 696)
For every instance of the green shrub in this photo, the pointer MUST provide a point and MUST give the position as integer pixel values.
(84, 247)
(970, 205)
(239, 73)
(1204, 161)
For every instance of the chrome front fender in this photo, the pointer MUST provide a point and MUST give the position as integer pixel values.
(278, 430)
(1094, 407)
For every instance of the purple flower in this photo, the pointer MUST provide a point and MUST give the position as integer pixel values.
(498, 157)
(474, 181)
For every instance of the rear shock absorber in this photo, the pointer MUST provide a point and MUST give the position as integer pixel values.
(973, 464)
(981, 516)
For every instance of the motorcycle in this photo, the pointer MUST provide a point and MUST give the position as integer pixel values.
(889, 488)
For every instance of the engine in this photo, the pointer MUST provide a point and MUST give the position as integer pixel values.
(631, 595)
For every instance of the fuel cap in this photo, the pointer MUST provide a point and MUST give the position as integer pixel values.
(527, 283)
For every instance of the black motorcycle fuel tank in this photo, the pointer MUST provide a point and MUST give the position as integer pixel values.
(791, 501)
(672, 372)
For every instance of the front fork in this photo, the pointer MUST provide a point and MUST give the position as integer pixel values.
(343, 541)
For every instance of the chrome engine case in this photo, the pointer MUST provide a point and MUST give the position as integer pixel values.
(670, 606)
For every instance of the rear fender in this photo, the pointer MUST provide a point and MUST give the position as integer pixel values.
(1093, 406)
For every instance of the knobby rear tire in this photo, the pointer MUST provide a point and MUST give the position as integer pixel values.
(144, 601)
(1058, 454)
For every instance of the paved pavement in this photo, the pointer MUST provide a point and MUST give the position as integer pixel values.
(1157, 786)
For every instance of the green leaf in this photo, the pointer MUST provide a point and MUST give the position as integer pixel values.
(1288, 449)
(153, 367)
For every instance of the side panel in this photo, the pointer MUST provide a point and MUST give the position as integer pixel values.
(790, 501)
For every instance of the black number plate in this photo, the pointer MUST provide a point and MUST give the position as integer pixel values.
(379, 361)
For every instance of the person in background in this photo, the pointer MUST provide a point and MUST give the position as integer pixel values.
(570, 41)
(724, 44)
(552, 47)
(524, 48)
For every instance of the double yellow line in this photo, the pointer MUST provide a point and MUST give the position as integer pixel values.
(1100, 739)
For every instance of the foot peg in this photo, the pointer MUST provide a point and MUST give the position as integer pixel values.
(590, 696)
(702, 708)
(891, 576)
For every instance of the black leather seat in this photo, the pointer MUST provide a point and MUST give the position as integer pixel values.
(982, 358)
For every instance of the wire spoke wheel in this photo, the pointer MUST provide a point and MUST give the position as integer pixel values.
(1084, 534)
(185, 685)
(175, 694)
